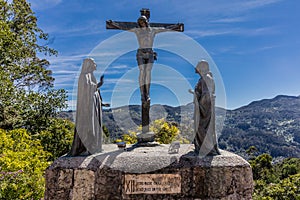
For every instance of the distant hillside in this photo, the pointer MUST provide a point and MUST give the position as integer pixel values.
(272, 125)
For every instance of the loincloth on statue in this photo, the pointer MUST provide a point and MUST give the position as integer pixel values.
(146, 53)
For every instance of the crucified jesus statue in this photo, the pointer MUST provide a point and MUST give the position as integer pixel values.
(145, 33)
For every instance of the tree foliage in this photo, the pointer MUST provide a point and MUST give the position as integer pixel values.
(22, 165)
(28, 99)
(287, 188)
(19, 46)
(262, 167)
(57, 138)
(28, 104)
(275, 181)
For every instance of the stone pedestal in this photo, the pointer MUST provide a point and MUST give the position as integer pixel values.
(149, 173)
(145, 137)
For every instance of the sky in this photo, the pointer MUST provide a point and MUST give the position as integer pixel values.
(253, 48)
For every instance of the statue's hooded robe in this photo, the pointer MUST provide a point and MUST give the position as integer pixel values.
(204, 117)
(88, 123)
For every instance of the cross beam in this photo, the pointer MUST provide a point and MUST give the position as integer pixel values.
(130, 25)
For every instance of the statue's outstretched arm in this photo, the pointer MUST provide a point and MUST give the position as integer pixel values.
(110, 24)
(174, 27)
(113, 24)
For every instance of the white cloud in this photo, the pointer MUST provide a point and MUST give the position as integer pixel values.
(212, 32)
(234, 31)
(247, 5)
(43, 4)
(111, 72)
(91, 27)
(258, 31)
(268, 47)
(65, 72)
(229, 20)
(59, 60)
(119, 80)
(208, 7)
(64, 79)
(119, 67)
(257, 50)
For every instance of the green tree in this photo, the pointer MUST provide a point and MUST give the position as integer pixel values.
(275, 181)
(57, 138)
(22, 165)
(262, 168)
(29, 99)
(251, 152)
(287, 188)
(288, 167)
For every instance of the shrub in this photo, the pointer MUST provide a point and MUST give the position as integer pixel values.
(57, 138)
(22, 165)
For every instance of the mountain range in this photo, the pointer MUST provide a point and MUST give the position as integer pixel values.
(271, 125)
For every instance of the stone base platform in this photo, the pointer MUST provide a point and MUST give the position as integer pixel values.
(149, 173)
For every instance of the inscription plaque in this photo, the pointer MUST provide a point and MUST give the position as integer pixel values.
(152, 183)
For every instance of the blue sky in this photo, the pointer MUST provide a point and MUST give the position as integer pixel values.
(252, 47)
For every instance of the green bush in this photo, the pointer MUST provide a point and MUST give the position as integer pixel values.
(22, 165)
(57, 138)
(129, 138)
(279, 181)
(165, 133)
(262, 168)
(287, 188)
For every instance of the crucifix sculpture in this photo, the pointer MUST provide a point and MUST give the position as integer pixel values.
(145, 33)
